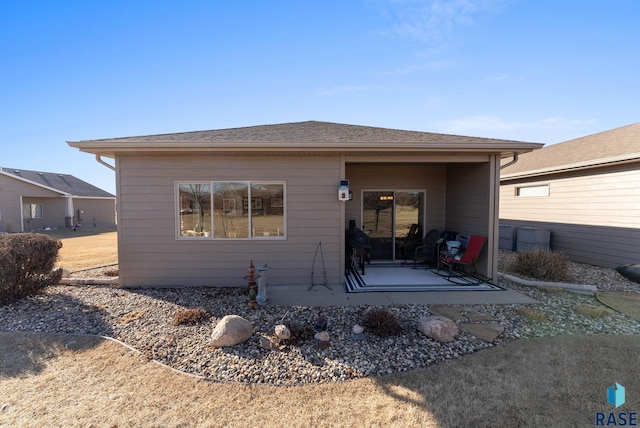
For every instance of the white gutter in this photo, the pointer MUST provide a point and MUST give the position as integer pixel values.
(511, 162)
(100, 161)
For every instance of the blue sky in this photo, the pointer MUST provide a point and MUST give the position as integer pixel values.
(529, 70)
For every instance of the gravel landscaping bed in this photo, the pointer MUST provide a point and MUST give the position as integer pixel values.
(143, 319)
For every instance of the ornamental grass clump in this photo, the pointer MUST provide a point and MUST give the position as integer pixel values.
(27, 263)
(191, 317)
(544, 265)
(532, 314)
(593, 311)
(381, 322)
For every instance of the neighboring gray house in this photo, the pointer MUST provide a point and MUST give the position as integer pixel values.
(195, 208)
(34, 200)
(585, 191)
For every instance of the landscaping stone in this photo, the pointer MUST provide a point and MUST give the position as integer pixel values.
(438, 328)
(231, 330)
(282, 332)
(485, 331)
(451, 312)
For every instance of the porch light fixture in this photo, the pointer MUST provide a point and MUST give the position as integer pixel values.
(344, 194)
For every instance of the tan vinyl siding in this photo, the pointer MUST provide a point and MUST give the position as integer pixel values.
(468, 204)
(610, 197)
(96, 211)
(428, 177)
(11, 207)
(150, 254)
(593, 215)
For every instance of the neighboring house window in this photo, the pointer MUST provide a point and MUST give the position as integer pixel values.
(529, 191)
(31, 211)
(232, 210)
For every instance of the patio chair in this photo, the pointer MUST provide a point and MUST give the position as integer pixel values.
(358, 249)
(428, 251)
(462, 265)
(408, 243)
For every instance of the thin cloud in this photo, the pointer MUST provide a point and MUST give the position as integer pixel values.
(434, 22)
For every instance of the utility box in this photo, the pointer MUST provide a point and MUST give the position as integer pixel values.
(507, 238)
(531, 238)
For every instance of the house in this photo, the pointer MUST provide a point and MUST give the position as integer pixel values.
(584, 191)
(196, 208)
(34, 200)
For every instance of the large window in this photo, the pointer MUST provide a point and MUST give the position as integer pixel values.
(231, 210)
(31, 211)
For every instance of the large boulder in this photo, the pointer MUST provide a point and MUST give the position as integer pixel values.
(438, 328)
(231, 330)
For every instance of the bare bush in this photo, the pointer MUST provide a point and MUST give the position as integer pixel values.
(381, 322)
(26, 264)
(191, 317)
(544, 265)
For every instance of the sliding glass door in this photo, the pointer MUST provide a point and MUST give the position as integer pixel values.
(388, 216)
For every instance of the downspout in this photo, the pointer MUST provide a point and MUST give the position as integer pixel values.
(511, 162)
(100, 161)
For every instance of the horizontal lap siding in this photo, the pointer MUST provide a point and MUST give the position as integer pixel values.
(595, 245)
(100, 211)
(11, 210)
(608, 198)
(430, 177)
(150, 254)
(594, 217)
(468, 204)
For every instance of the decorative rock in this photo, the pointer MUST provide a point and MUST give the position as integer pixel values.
(231, 330)
(438, 328)
(357, 329)
(282, 332)
(267, 343)
(358, 336)
(322, 336)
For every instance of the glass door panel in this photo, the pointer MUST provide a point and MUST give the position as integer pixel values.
(377, 222)
(408, 213)
(389, 217)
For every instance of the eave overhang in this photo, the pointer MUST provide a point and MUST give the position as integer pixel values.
(113, 148)
(585, 165)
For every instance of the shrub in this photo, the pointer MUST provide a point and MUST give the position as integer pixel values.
(381, 322)
(112, 272)
(544, 265)
(26, 264)
(191, 316)
(299, 333)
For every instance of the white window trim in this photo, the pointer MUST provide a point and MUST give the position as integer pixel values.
(533, 191)
(211, 237)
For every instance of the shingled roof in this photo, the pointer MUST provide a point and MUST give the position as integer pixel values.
(310, 136)
(64, 183)
(616, 145)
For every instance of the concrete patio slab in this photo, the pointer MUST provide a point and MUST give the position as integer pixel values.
(337, 296)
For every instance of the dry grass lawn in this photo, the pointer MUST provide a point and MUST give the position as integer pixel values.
(86, 248)
(58, 380)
